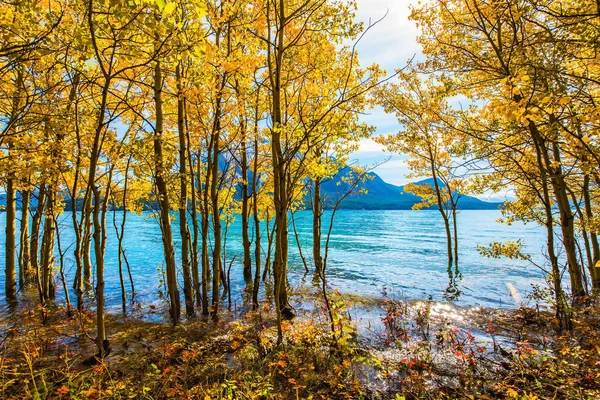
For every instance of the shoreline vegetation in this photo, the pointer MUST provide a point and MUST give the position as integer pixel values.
(212, 110)
(389, 349)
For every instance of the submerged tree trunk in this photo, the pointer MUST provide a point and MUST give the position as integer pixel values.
(443, 212)
(35, 231)
(63, 279)
(99, 236)
(11, 221)
(24, 263)
(120, 236)
(300, 252)
(455, 231)
(48, 247)
(86, 243)
(78, 285)
(317, 214)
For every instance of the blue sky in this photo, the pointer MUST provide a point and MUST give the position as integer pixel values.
(390, 44)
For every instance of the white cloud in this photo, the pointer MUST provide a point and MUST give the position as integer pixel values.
(503, 195)
(369, 146)
(392, 41)
(393, 171)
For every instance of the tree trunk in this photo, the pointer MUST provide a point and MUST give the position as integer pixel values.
(194, 241)
(216, 273)
(561, 314)
(11, 220)
(163, 200)
(204, 222)
(584, 235)
(63, 278)
(78, 285)
(86, 245)
(256, 285)
(99, 237)
(567, 223)
(24, 263)
(245, 207)
(316, 209)
(35, 231)
(281, 189)
(48, 246)
(455, 230)
(120, 235)
(183, 226)
(440, 203)
(594, 269)
(559, 188)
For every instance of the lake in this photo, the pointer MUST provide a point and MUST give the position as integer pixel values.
(403, 251)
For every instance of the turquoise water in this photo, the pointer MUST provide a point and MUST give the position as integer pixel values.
(403, 251)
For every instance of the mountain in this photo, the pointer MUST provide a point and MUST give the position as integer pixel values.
(381, 195)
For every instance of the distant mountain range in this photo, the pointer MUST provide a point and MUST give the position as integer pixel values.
(381, 195)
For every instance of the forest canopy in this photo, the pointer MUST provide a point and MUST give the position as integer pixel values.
(205, 109)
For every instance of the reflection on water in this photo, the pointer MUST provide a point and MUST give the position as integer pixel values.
(402, 250)
(454, 277)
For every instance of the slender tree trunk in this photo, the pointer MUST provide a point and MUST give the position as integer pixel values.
(89, 218)
(120, 260)
(78, 285)
(120, 236)
(270, 236)
(440, 203)
(245, 207)
(455, 230)
(11, 206)
(215, 212)
(205, 226)
(163, 200)
(196, 232)
(297, 236)
(564, 207)
(11, 221)
(256, 285)
(317, 213)
(281, 190)
(35, 231)
(86, 246)
(24, 263)
(594, 267)
(567, 223)
(183, 226)
(63, 279)
(99, 238)
(561, 315)
(584, 235)
(48, 246)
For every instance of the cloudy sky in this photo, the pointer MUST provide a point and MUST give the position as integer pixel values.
(390, 43)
